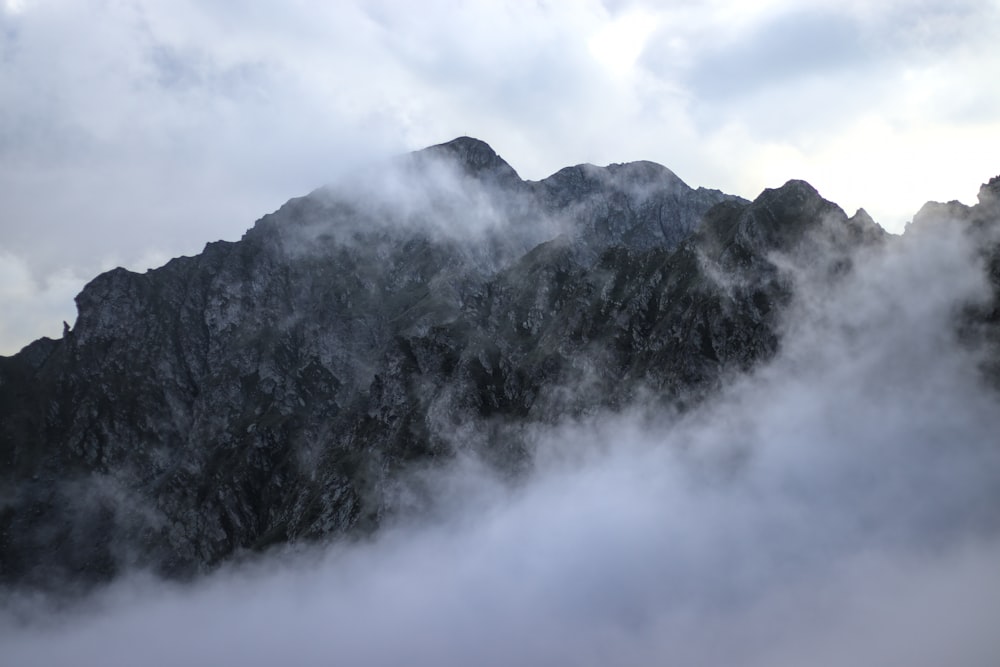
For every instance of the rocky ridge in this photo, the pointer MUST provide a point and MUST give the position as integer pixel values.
(276, 389)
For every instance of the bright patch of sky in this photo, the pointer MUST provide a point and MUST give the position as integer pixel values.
(619, 44)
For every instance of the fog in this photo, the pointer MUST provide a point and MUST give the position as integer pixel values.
(432, 194)
(835, 507)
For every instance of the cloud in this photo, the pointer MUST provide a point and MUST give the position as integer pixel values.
(834, 507)
(811, 42)
(37, 303)
(848, 96)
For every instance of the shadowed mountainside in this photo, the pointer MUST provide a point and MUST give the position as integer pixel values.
(278, 388)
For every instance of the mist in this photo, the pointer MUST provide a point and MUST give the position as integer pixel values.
(835, 506)
(429, 193)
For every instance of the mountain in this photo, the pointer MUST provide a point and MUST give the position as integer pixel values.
(279, 388)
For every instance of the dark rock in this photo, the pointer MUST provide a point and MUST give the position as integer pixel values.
(277, 389)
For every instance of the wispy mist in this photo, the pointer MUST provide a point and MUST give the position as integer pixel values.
(836, 507)
(430, 194)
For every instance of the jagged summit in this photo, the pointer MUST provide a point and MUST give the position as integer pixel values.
(863, 217)
(278, 388)
(989, 192)
(478, 158)
(780, 215)
(475, 156)
(636, 177)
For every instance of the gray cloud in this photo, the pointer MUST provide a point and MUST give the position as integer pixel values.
(803, 43)
(794, 70)
(834, 507)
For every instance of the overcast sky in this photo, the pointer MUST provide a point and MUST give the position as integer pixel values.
(132, 131)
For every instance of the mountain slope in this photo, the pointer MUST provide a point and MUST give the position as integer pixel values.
(277, 388)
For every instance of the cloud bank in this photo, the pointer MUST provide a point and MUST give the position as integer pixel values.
(836, 506)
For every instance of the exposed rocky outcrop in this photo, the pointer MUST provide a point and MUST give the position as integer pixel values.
(276, 388)
(980, 322)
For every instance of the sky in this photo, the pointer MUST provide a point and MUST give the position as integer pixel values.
(133, 131)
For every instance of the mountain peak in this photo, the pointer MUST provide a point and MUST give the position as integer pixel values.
(283, 387)
(475, 156)
(795, 190)
(778, 219)
(989, 192)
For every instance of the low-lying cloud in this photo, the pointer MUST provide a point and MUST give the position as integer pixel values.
(835, 507)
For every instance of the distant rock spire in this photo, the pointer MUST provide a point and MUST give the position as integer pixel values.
(989, 192)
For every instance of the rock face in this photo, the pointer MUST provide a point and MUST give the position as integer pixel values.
(982, 222)
(276, 388)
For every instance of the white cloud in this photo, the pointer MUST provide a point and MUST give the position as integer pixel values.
(14, 6)
(619, 44)
(33, 304)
